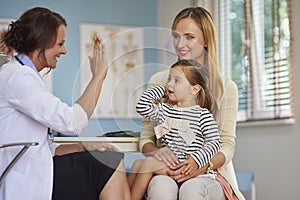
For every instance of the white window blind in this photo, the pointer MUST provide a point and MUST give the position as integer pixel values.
(255, 51)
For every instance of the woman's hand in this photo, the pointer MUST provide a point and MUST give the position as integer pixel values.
(177, 173)
(99, 147)
(166, 156)
(98, 60)
(189, 166)
(78, 147)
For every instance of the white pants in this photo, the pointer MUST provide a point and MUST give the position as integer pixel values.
(164, 187)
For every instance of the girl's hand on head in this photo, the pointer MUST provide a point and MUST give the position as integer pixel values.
(166, 156)
(98, 60)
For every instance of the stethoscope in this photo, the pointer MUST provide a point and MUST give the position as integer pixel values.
(16, 57)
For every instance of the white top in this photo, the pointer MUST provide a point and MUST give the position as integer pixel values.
(26, 112)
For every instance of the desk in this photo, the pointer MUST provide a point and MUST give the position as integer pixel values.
(125, 144)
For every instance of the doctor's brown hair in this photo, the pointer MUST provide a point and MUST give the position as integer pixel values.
(35, 29)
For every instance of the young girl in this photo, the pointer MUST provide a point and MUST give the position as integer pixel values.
(187, 127)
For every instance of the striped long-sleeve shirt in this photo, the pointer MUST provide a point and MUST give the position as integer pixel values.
(185, 130)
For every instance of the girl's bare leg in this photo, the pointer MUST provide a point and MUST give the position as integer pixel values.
(148, 168)
(134, 171)
(117, 186)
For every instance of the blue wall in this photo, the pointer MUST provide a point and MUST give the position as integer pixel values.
(120, 12)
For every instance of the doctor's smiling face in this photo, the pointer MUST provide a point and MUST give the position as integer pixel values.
(53, 53)
(48, 58)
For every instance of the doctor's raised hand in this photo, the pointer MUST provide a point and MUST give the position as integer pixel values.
(99, 67)
(98, 60)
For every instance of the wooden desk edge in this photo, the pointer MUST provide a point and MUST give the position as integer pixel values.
(123, 143)
(96, 139)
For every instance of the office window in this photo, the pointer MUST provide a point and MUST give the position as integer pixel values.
(255, 51)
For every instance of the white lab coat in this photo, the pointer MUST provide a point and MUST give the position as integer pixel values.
(26, 112)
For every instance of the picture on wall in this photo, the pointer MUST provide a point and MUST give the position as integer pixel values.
(47, 76)
(124, 81)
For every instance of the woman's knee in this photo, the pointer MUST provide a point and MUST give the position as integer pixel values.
(201, 188)
(161, 183)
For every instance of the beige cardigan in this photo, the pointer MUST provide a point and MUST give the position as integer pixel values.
(227, 126)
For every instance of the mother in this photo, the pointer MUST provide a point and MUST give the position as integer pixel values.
(194, 37)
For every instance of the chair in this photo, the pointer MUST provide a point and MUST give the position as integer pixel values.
(3, 59)
(25, 145)
(246, 184)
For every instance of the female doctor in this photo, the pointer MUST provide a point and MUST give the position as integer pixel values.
(27, 111)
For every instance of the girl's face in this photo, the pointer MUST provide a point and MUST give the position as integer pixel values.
(188, 40)
(179, 89)
(54, 52)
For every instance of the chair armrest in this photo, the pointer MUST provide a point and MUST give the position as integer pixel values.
(19, 144)
(25, 145)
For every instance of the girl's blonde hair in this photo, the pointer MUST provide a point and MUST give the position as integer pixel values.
(205, 23)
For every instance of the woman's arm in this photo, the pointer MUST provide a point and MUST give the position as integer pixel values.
(89, 146)
(227, 122)
(68, 148)
(99, 67)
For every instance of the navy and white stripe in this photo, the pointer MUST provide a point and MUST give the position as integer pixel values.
(200, 120)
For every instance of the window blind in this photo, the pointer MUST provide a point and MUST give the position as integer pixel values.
(255, 51)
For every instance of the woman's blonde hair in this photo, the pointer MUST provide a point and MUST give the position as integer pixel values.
(205, 22)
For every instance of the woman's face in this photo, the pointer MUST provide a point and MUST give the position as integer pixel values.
(53, 53)
(188, 40)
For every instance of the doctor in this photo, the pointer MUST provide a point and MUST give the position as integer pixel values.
(27, 111)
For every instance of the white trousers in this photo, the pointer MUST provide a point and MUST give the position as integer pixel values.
(164, 187)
